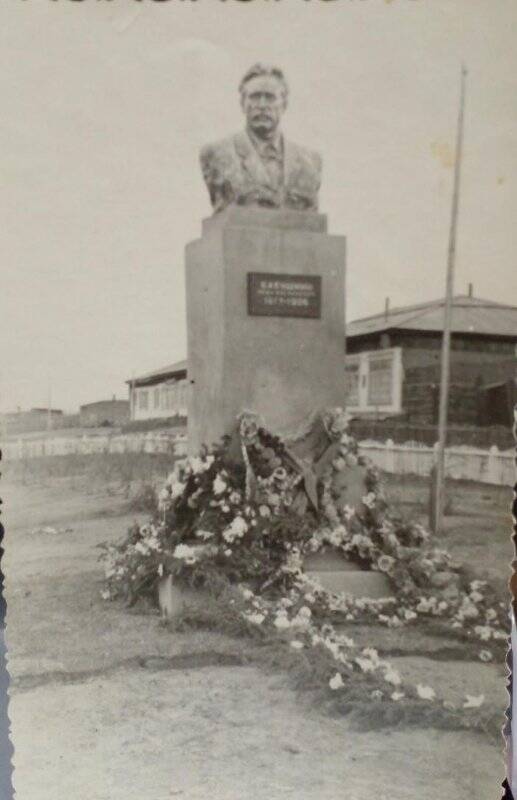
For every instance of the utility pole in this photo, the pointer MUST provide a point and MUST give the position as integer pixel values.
(438, 490)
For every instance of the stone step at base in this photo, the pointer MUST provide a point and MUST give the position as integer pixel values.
(357, 583)
(172, 598)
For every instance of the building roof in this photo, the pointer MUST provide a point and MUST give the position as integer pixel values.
(176, 370)
(470, 315)
(114, 403)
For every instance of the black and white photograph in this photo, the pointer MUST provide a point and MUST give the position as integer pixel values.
(258, 376)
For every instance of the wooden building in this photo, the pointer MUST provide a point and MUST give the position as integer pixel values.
(104, 413)
(160, 394)
(393, 362)
(392, 365)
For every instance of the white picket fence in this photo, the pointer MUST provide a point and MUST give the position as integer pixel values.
(173, 443)
(468, 463)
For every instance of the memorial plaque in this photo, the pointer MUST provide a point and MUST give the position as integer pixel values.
(273, 295)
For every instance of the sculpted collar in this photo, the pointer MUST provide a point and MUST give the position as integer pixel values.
(268, 149)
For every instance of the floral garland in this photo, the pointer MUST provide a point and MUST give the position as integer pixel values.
(248, 513)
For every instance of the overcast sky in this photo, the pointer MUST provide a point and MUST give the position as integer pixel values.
(106, 105)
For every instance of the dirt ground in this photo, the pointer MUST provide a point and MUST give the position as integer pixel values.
(103, 706)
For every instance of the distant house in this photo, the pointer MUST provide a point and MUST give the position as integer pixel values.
(104, 413)
(36, 419)
(393, 362)
(160, 394)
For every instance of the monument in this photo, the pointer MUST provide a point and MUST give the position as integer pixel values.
(265, 282)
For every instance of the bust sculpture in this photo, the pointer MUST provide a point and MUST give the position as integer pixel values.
(258, 167)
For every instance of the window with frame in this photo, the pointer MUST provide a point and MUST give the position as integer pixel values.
(169, 398)
(143, 399)
(380, 382)
(352, 384)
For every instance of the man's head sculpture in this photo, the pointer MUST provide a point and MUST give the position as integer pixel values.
(258, 167)
(264, 93)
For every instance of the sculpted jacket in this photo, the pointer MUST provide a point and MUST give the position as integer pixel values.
(234, 173)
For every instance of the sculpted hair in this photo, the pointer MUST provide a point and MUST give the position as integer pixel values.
(257, 70)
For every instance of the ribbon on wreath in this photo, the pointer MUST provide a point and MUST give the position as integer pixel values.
(334, 422)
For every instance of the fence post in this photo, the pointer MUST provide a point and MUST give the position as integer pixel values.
(492, 464)
(389, 464)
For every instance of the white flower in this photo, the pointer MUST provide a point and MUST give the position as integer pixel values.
(386, 563)
(105, 594)
(235, 497)
(239, 526)
(177, 489)
(264, 511)
(184, 552)
(409, 615)
(201, 534)
(348, 512)
(491, 614)
(369, 500)
(485, 655)
(372, 654)
(397, 695)
(247, 593)
(365, 664)
(474, 702)
(256, 619)
(219, 486)
(227, 552)
(468, 609)
(279, 474)
(392, 676)
(337, 535)
(425, 692)
(296, 645)
(332, 647)
(305, 612)
(377, 694)
(281, 621)
(484, 632)
(235, 530)
(196, 465)
(425, 605)
(336, 682)
(476, 597)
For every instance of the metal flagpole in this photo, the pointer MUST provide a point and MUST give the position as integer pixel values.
(49, 406)
(439, 493)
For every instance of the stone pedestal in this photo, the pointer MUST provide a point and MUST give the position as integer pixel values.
(335, 574)
(282, 367)
(173, 598)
